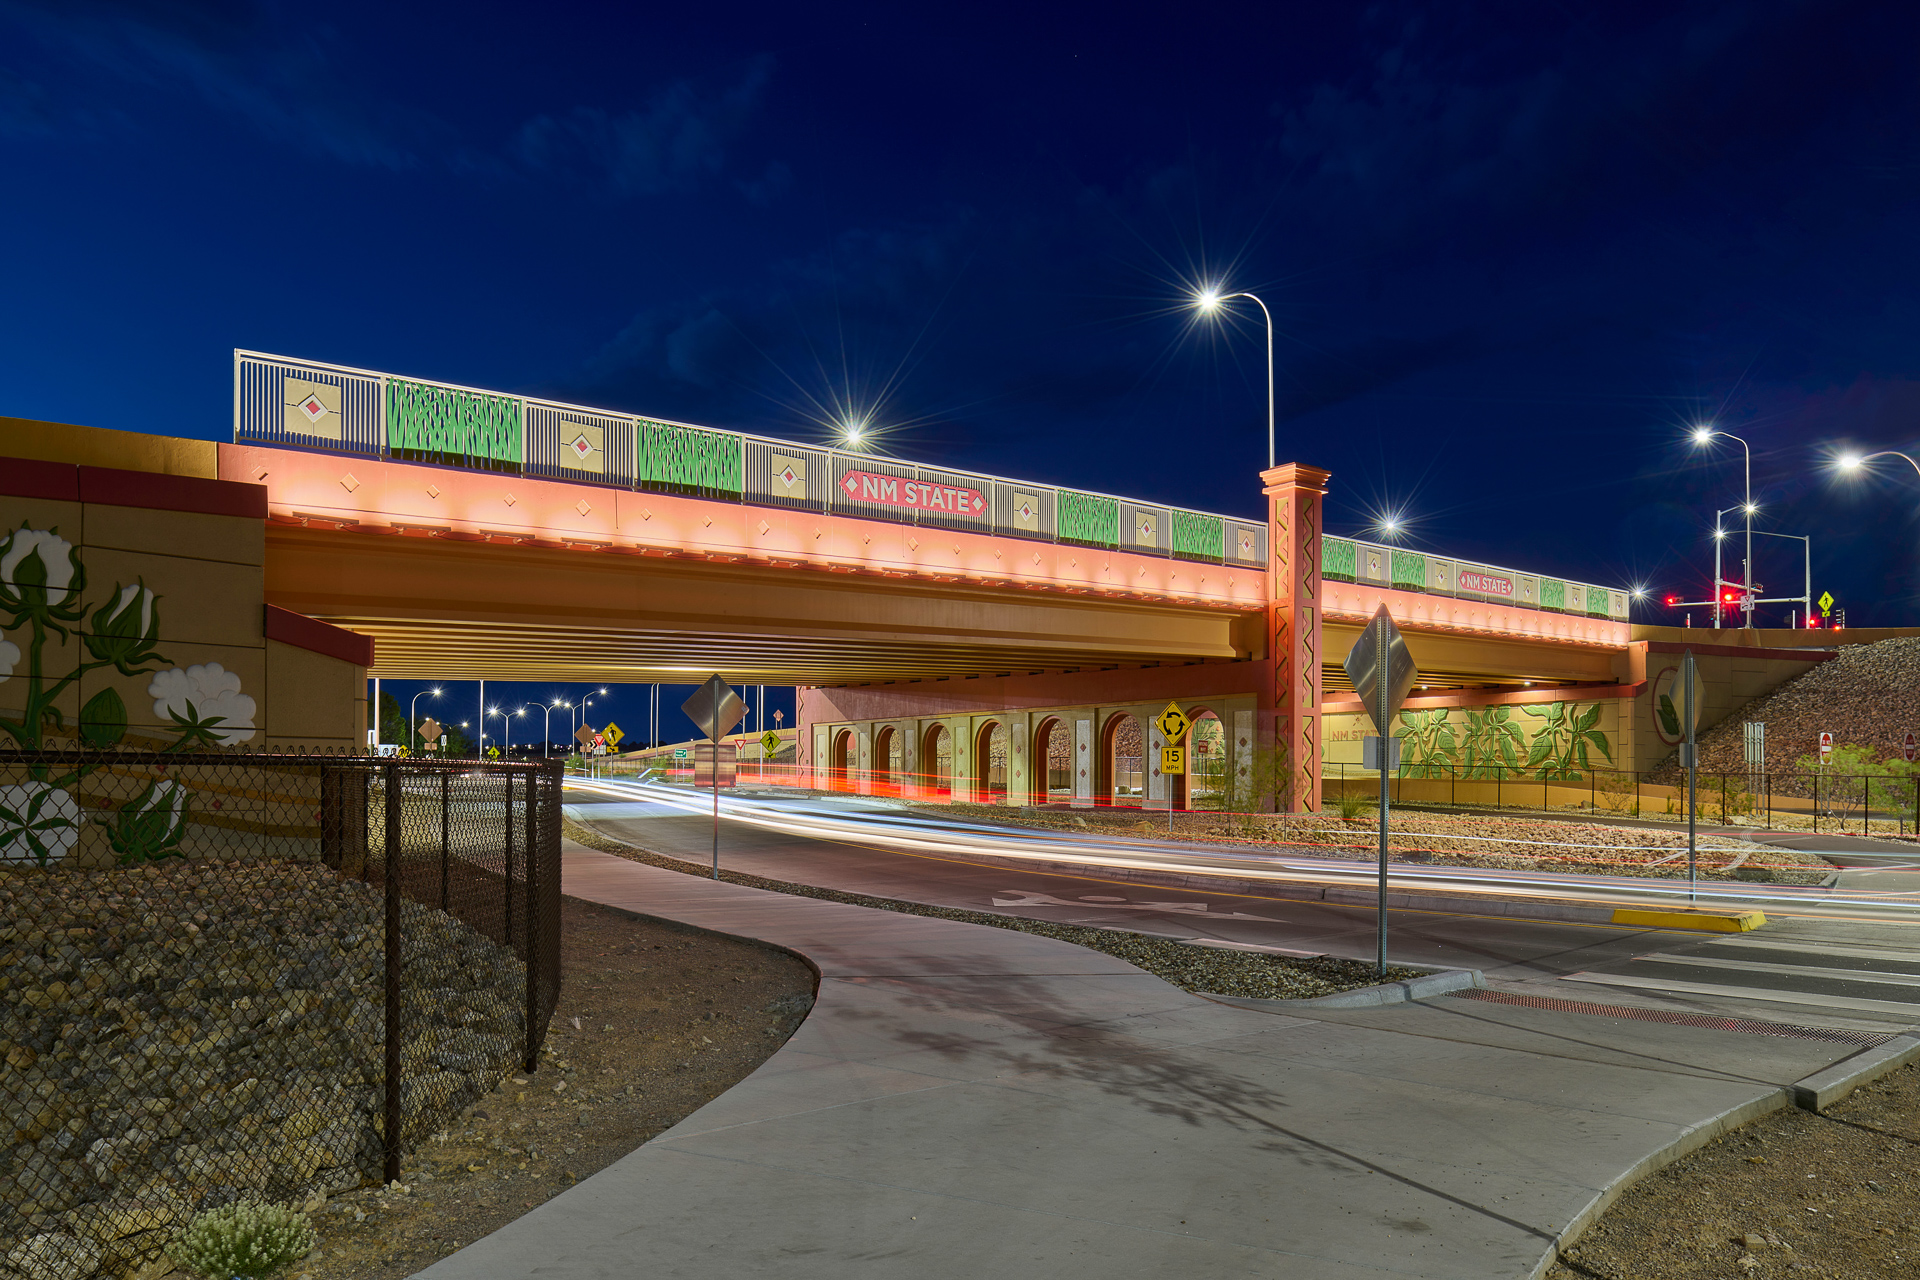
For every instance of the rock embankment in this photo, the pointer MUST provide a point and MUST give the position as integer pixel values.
(179, 1035)
(1867, 694)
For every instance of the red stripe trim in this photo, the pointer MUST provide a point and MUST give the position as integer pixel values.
(156, 492)
(27, 478)
(302, 632)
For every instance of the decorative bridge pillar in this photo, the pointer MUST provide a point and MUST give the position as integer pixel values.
(1290, 708)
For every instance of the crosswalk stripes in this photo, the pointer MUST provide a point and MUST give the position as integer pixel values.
(1780, 970)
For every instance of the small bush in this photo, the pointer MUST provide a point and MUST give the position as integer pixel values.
(1353, 805)
(244, 1239)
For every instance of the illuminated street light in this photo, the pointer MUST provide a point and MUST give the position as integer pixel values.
(1209, 301)
(1853, 462)
(546, 724)
(1703, 436)
(412, 708)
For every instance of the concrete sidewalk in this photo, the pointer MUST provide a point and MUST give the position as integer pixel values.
(967, 1101)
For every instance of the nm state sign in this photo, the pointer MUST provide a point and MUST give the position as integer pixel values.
(913, 495)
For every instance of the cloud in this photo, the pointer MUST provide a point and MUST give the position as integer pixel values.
(678, 139)
(295, 81)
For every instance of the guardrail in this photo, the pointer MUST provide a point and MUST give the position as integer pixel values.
(328, 408)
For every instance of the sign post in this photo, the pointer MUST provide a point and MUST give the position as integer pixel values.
(1691, 752)
(769, 745)
(1173, 725)
(1383, 673)
(714, 709)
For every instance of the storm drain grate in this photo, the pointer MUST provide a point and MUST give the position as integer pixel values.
(1866, 1039)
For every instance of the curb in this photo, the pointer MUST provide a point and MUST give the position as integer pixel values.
(1704, 921)
(1434, 984)
(1824, 1088)
(1813, 1093)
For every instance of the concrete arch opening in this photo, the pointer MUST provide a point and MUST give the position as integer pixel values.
(886, 761)
(1052, 781)
(840, 762)
(1123, 776)
(1206, 782)
(936, 762)
(990, 763)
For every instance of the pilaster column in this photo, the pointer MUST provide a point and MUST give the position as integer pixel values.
(1292, 702)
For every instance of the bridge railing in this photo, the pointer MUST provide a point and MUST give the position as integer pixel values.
(1353, 560)
(308, 405)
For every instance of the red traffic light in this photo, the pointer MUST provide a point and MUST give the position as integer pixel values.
(1672, 601)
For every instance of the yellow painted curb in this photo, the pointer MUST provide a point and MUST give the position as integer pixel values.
(1730, 922)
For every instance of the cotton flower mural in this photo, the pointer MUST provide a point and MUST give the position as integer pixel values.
(204, 701)
(43, 588)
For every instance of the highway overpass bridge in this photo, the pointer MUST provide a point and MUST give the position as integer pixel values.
(477, 534)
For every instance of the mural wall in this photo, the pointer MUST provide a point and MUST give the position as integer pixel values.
(132, 614)
(1549, 741)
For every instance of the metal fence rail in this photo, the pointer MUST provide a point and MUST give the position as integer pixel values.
(234, 974)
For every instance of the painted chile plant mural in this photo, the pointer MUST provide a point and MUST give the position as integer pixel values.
(43, 587)
(1555, 741)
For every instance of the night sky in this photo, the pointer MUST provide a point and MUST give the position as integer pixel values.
(1513, 252)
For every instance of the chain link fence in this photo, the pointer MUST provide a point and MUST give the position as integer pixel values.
(226, 975)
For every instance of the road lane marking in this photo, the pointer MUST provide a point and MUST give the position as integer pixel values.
(1765, 994)
(1027, 898)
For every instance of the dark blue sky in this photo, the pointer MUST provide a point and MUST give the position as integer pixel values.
(1513, 250)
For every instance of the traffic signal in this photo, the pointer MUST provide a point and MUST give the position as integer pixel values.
(1672, 601)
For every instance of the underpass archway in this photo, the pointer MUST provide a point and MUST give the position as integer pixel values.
(936, 762)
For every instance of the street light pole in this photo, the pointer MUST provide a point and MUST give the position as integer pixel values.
(413, 708)
(1209, 301)
(1703, 436)
(546, 724)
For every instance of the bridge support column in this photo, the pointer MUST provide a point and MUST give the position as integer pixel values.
(1291, 701)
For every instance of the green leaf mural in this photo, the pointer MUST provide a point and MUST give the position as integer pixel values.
(1491, 742)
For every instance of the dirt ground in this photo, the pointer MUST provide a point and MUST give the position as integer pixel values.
(1792, 1194)
(653, 1022)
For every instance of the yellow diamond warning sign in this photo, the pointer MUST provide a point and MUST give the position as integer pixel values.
(612, 734)
(769, 743)
(1173, 723)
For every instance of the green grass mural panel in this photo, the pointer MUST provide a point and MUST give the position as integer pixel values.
(686, 459)
(1086, 517)
(1409, 570)
(1198, 536)
(1553, 593)
(1337, 558)
(443, 420)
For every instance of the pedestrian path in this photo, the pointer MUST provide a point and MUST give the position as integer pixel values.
(967, 1101)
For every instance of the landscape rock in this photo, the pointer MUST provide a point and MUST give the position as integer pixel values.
(180, 1034)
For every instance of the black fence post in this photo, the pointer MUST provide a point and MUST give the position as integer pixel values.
(393, 1030)
(446, 846)
(537, 871)
(506, 884)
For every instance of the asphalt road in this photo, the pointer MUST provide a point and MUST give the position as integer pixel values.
(1820, 970)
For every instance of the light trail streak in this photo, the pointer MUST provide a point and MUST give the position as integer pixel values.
(961, 840)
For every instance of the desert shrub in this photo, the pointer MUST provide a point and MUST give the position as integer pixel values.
(246, 1238)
